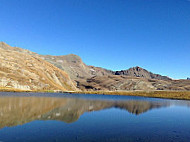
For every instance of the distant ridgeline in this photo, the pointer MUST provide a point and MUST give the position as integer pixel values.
(25, 70)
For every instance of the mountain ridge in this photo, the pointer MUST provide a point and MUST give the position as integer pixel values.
(86, 77)
(141, 72)
(75, 58)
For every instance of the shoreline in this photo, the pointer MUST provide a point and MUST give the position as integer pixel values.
(178, 95)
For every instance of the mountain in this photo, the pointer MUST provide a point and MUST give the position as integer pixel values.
(20, 69)
(77, 69)
(74, 66)
(140, 72)
(123, 83)
(23, 69)
(95, 78)
(90, 78)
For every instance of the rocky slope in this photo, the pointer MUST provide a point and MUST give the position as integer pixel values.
(140, 72)
(83, 77)
(75, 67)
(123, 83)
(94, 78)
(22, 70)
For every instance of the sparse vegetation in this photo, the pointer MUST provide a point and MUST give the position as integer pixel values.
(28, 72)
(24, 71)
(6, 89)
(180, 95)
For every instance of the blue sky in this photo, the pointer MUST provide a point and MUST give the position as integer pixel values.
(114, 34)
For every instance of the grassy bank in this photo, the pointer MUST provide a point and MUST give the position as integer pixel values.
(6, 89)
(179, 95)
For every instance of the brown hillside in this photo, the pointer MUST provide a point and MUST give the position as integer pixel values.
(20, 64)
(26, 72)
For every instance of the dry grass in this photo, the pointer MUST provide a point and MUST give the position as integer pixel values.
(7, 89)
(179, 95)
(31, 72)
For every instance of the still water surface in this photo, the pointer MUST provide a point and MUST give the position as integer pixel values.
(28, 117)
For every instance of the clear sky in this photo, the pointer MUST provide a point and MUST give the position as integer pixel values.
(114, 34)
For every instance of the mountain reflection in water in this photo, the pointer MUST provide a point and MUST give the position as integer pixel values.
(19, 110)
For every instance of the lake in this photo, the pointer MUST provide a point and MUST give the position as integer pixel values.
(49, 117)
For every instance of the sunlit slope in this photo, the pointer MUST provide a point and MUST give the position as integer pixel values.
(46, 72)
(28, 72)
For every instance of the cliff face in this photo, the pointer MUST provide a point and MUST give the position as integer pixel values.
(21, 70)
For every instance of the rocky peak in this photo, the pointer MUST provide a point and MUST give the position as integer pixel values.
(140, 72)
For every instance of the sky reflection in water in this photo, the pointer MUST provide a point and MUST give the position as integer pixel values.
(92, 118)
